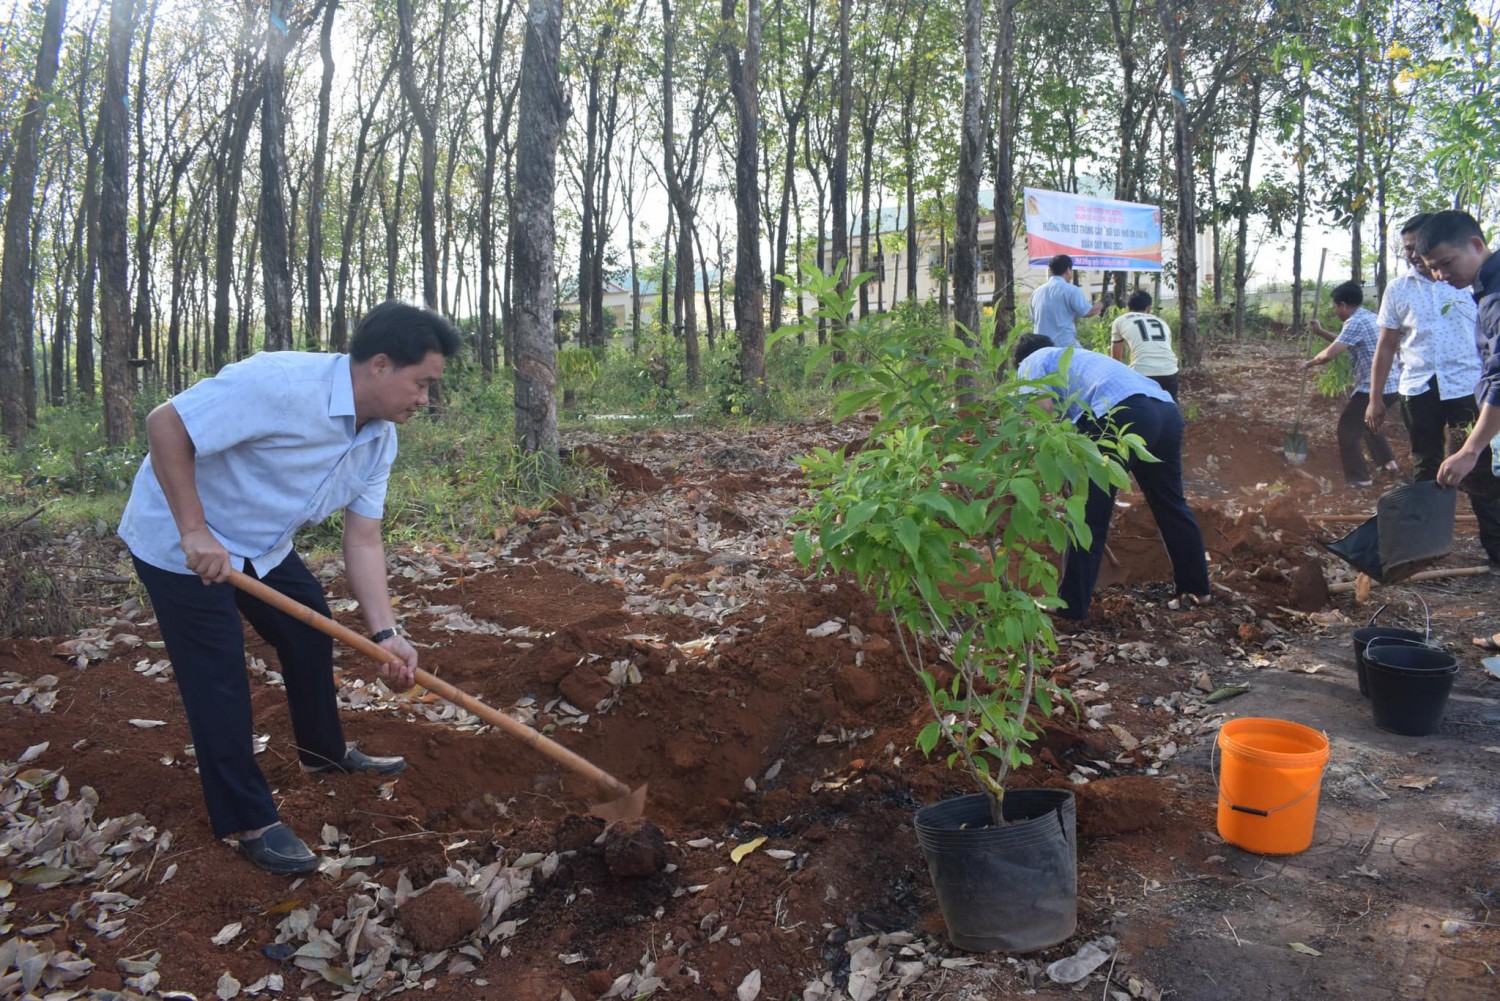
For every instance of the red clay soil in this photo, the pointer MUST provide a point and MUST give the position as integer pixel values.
(744, 724)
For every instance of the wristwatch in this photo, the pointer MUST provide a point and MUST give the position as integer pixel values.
(385, 634)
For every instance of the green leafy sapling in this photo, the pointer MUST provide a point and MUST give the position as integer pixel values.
(951, 516)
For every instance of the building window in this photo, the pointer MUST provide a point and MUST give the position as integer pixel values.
(875, 265)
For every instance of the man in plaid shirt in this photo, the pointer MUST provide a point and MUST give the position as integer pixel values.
(1358, 338)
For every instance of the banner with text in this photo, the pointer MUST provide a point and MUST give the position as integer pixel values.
(1098, 233)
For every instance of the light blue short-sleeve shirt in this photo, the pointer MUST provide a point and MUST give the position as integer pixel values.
(1094, 380)
(1055, 306)
(276, 449)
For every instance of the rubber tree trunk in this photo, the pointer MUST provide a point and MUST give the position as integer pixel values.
(1005, 196)
(313, 335)
(749, 279)
(533, 224)
(1242, 233)
(1187, 193)
(839, 181)
(17, 382)
(275, 267)
(427, 131)
(970, 162)
(114, 284)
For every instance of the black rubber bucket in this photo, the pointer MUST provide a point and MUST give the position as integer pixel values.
(1366, 634)
(1004, 889)
(1409, 686)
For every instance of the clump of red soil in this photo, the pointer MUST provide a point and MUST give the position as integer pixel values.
(440, 917)
(622, 472)
(635, 849)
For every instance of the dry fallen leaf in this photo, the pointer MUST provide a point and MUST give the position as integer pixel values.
(749, 988)
(738, 853)
(1421, 783)
(227, 934)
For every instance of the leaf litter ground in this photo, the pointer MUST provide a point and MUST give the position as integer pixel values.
(667, 635)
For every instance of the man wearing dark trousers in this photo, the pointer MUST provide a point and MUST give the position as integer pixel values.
(237, 464)
(1431, 323)
(1454, 249)
(1097, 391)
(1358, 338)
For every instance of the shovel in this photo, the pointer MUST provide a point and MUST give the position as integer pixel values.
(1294, 445)
(624, 803)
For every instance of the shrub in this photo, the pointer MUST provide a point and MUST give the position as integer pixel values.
(950, 516)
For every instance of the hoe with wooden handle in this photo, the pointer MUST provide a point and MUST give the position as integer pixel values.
(625, 804)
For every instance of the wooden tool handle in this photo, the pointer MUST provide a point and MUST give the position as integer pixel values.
(457, 696)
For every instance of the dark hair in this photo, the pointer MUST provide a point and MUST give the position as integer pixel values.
(1415, 222)
(1451, 227)
(1349, 294)
(1030, 344)
(1139, 301)
(1060, 265)
(406, 334)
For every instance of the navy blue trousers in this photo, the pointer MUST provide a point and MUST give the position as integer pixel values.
(1160, 424)
(205, 640)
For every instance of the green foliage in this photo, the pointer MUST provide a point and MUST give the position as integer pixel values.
(950, 516)
(66, 455)
(577, 369)
(1336, 379)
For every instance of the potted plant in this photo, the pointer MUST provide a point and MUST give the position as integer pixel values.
(950, 515)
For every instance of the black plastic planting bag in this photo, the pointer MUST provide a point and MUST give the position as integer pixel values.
(1412, 527)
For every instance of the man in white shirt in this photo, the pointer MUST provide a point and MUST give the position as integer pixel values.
(1057, 303)
(1149, 341)
(1432, 324)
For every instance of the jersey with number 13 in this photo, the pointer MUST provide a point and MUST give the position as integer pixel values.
(1149, 341)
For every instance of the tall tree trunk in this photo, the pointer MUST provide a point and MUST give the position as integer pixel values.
(1005, 196)
(839, 182)
(88, 280)
(427, 129)
(276, 273)
(140, 327)
(970, 162)
(17, 382)
(542, 112)
(314, 320)
(1187, 194)
(1300, 225)
(1241, 252)
(114, 278)
(749, 279)
(228, 167)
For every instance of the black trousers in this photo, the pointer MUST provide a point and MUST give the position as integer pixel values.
(1355, 436)
(1160, 424)
(205, 640)
(1167, 382)
(1433, 424)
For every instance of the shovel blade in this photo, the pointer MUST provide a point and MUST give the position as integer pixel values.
(1294, 447)
(631, 806)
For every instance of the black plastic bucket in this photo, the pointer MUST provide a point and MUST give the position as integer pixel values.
(1365, 634)
(1004, 889)
(1409, 685)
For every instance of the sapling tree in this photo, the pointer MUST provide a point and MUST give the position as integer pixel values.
(951, 516)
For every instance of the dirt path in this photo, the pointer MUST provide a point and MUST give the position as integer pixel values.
(668, 635)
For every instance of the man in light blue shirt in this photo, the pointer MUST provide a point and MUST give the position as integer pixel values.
(1058, 303)
(1098, 391)
(237, 464)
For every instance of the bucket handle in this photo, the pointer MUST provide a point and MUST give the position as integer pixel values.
(1426, 615)
(1213, 766)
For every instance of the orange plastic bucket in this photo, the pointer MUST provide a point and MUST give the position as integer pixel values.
(1268, 784)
